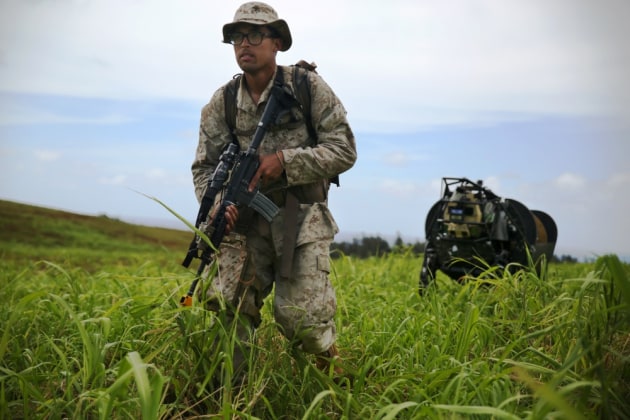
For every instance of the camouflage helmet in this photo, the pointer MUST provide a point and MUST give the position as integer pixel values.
(260, 14)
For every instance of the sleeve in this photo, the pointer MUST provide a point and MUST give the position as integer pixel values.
(214, 135)
(335, 151)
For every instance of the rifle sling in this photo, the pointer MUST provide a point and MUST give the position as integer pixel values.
(291, 208)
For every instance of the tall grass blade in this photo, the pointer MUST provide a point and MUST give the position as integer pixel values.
(390, 412)
(618, 275)
(190, 226)
(16, 313)
(477, 410)
(548, 394)
(149, 390)
(316, 402)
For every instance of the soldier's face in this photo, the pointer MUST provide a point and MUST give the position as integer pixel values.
(255, 49)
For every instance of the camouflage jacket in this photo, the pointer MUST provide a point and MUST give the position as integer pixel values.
(307, 160)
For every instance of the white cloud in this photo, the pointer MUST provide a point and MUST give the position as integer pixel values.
(493, 183)
(396, 187)
(46, 155)
(401, 159)
(414, 62)
(156, 174)
(570, 181)
(113, 180)
(619, 180)
(39, 117)
(396, 159)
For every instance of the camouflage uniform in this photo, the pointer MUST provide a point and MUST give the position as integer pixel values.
(250, 257)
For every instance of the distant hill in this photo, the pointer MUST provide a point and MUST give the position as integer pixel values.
(28, 225)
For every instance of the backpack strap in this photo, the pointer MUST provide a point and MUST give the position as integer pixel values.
(303, 95)
(229, 102)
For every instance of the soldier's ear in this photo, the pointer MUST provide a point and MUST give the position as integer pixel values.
(277, 44)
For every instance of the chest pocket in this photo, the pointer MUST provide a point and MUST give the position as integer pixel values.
(287, 120)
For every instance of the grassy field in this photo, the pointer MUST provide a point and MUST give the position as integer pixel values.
(91, 327)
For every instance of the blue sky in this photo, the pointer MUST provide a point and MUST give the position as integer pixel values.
(101, 99)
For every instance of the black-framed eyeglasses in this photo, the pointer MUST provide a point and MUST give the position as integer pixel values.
(253, 38)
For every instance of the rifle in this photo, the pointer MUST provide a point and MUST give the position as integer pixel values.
(240, 168)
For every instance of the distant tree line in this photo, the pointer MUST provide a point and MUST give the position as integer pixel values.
(564, 259)
(375, 246)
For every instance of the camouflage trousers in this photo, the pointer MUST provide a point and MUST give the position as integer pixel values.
(304, 304)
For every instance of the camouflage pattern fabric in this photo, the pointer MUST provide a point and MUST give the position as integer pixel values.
(249, 261)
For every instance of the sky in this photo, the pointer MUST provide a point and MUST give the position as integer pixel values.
(100, 103)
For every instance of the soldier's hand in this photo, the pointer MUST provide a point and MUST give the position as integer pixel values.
(270, 169)
(231, 217)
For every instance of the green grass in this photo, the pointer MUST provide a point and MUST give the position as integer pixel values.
(91, 327)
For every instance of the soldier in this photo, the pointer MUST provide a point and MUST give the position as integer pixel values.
(296, 162)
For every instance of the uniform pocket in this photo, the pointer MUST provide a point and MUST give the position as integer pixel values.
(316, 224)
(323, 263)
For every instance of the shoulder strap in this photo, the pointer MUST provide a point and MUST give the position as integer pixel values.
(229, 101)
(303, 95)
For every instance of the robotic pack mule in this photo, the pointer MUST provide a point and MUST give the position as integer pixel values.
(470, 226)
